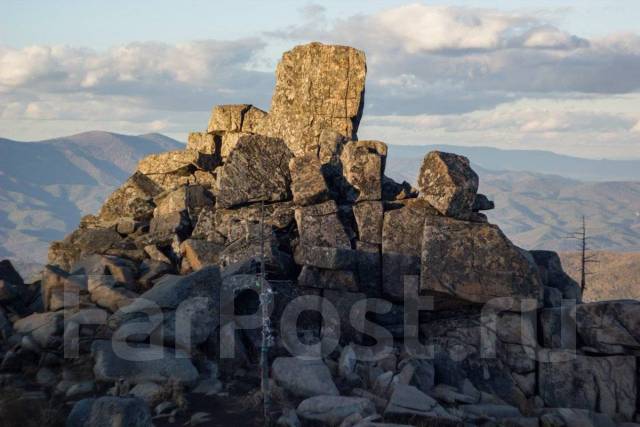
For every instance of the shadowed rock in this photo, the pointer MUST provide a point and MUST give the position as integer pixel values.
(256, 170)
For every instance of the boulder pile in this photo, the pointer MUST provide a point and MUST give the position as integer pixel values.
(417, 309)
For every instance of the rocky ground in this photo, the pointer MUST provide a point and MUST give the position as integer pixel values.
(388, 304)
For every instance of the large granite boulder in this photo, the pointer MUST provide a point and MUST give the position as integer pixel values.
(318, 87)
(227, 118)
(190, 199)
(333, 410)
(605, 327)
(227, 222)
(203, 142)
(248, 241)
(402, 232)
(553, 275)
(133, 199)
(54, 279)
(369, 217)
(107, 293)
(409, 403)
(140, 364)
(448, 183)
(109, 411)
(474, 262)
(307, 181)
(180, 301)
(234, 118)
(45, 328)
(602, 384)
(496, 354)
(201, 253)
(321, 225)
(83, 242)
(256, 170)
(363, 165)
(610, 326)
(304, 377)
(229, 123)
(174, 168)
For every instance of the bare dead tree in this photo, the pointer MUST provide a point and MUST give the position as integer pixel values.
(585, 257)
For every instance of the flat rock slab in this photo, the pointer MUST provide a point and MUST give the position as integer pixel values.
(203, 142)
(41, 326)
(303, 377)
(363, 165)
(402, 244)
(110, 412)
(256, 170)
(141, 364)
(308, 184)
(369, 217)
(320, 225)
(602, 384)
(332, 410)
(133, 199)
(474, 262)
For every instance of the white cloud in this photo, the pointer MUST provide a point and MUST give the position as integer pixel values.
(175, 76)
(139, 86)
(445, 59)
(418, 27)
(548, 37)
(583, 127)
(451, 74)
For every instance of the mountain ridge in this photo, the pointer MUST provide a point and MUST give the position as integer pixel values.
(47, 185)
(540, 161)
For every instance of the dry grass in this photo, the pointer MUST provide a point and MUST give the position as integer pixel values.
(18, 409)
(616, 275)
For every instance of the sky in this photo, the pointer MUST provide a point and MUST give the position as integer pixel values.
(554, 75)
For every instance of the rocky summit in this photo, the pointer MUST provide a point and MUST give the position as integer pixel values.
(277, 234)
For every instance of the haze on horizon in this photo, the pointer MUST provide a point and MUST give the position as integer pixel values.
(544, 75)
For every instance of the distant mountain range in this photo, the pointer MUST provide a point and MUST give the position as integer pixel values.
(538, 210)
(543, 162)
(46, 186)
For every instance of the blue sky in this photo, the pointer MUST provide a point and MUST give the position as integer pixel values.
(562, 76)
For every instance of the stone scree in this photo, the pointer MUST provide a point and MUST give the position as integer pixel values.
(294, 185)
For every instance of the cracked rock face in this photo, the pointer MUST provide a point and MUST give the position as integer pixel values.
(256, 170)
(133, 199)
(602, 384)
(318, 87)
(474, 262)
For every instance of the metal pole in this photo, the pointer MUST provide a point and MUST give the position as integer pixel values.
(583, 277)
(265, 301)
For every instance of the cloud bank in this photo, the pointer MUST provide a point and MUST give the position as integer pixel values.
(143, 84)
(452, 73)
